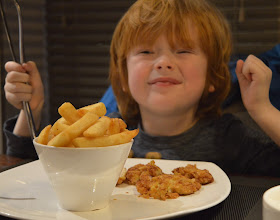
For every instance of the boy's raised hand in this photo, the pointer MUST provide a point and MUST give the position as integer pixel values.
(254, 79)
(23, 83)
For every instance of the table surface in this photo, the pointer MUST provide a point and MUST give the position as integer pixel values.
(244, 201)
(8, 162)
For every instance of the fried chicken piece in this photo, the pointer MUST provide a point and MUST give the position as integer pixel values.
(166, 186)
(134, 173)
(191, 171)
(122, 177)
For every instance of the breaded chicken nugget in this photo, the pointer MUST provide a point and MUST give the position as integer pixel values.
(191, 171)
(122, 177)
(166, 186)
(133, 173)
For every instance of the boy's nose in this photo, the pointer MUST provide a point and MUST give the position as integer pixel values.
(164, 67)
(164, 63)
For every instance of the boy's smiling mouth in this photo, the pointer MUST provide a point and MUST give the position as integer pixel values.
(164, 81)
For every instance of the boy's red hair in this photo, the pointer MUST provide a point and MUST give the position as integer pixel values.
(146, 20)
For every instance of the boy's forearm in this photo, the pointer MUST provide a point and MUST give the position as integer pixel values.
(269, 121)
(21, 127)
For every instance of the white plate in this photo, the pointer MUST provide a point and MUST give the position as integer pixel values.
(30, 181)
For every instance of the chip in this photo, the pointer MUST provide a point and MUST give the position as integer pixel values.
(85, 127)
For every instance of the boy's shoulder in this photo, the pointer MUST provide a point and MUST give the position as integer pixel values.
(226, 123)
(240, 122)
(224, 120)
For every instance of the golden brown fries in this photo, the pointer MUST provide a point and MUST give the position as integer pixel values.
(60, 140)
(99, 128)
(98, 108)
(85, 127)
(114, 139)
(59, 126)
(74, 130)
(69, 112)
(43, 137)
(114, 127)
(122, 125)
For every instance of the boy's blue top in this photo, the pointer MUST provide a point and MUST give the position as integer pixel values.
(110, 101)
(271, 58)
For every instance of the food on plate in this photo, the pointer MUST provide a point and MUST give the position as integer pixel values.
(151, 182)
(191, 171)
(134, 173)
(122, 177)
(85, 127)
(166, 186)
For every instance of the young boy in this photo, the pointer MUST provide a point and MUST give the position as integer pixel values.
(169, 73)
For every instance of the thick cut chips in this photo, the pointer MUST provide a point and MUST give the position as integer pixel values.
(99, 128)
(74, 130)
(109, 140)
(85, 127)
(43, 138)
(98, 108)
(69, 112)
(59, 126)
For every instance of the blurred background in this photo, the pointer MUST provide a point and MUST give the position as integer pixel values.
(70, 39)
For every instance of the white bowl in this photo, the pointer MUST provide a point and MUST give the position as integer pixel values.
(271, 204)
(83, 178)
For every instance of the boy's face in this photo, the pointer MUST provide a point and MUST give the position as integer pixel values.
(165, 80)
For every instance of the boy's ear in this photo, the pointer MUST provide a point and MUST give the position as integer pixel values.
(211, 88)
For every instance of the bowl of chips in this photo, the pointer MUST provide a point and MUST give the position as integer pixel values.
(83, 157)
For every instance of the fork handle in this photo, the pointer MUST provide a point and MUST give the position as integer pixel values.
(29, 117)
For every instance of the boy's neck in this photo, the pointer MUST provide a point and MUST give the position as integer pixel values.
(167, 126)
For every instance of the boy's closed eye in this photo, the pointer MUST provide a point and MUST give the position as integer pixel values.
(178, 52)
(146, 52)
(182, 51)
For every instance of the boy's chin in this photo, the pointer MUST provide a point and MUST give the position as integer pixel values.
(167, 109)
